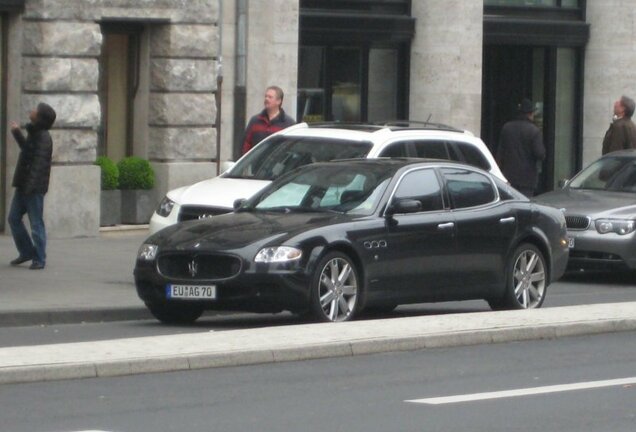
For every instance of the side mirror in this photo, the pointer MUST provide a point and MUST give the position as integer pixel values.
(226, 166)
(563, 183)
(404, 206)
(238, 203)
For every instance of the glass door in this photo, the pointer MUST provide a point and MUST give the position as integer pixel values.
(549, 77)
(351, 83)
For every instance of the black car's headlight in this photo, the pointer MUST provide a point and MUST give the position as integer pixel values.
(278, 254)
(617, 226)
(165, 207)
(147, 252)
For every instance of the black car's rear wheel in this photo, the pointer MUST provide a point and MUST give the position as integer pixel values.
(526, 280)
(335, 289)
(171, 313)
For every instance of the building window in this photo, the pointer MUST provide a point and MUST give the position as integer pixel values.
(534, 3)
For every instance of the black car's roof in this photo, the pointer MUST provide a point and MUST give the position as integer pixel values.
(399, 162)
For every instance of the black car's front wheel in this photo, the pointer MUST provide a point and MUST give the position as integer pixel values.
(335, 288)
(526, 280)
(171, 313)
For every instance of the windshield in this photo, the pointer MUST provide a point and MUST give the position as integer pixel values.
(281, 154)
(353, 189)
(609, 173)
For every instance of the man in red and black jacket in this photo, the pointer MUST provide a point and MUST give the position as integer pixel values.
(272, 119)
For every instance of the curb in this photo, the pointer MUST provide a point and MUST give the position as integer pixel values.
(306, 351)
(72, 316)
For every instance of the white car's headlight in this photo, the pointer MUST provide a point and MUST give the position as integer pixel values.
(277, 254)
(165, 207)
(147, 252)
(617, 226)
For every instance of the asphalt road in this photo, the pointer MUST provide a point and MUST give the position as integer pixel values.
(587, 288)
(366, 393)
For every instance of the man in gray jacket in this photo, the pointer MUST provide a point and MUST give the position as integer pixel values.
(621, 134)
(520, 148)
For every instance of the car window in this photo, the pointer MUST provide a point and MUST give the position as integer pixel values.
(395, 150)
(468, 153)
(421, 185)
(281, 154)
(351, 189)
(431, 149)
(608, 173)
(468, 188)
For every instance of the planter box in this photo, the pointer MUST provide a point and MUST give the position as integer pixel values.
(110, 207)
(137, 206)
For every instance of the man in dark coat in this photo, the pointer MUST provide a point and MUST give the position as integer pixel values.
(622, 131)
(520, 148)
(31, 182)
(272, 119)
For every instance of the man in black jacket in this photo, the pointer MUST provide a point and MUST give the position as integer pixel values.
(520, 148)
(31, 182)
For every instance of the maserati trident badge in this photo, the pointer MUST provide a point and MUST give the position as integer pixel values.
(193, 267)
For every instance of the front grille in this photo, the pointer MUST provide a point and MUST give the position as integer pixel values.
(577, 222)
(199, 266)
(200, 212)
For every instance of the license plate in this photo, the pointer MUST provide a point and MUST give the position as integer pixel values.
(571, 242)
(191, 291)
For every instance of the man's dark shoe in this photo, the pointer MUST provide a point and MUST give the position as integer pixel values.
(19, 260)
(36, 266)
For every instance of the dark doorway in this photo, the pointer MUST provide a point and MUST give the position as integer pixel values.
(550, 77)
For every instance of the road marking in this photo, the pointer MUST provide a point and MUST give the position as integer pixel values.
(524, 392)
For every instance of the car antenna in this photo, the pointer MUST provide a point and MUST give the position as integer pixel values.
(428, 119)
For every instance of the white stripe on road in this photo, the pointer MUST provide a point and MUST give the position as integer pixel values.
(524, 392)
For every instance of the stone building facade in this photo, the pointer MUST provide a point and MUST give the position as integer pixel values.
(55, 54)
(200, 67)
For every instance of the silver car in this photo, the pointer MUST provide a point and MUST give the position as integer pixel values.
(600, 210)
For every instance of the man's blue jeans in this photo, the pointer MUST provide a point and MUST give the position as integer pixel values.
(33, 206)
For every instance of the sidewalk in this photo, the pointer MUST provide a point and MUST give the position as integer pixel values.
(90, 279)
(303, 342)
(85, 279)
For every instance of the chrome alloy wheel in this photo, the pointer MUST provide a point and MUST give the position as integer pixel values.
(337, 289)
(529, 279)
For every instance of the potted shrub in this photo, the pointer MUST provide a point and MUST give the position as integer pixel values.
(110, 197)
(136, 180)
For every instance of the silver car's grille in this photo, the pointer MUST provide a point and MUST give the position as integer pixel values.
(577, 222)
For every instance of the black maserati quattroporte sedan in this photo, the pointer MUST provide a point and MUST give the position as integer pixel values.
(331, 239)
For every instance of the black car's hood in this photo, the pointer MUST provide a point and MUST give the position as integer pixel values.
(237, 230)
(591, 202)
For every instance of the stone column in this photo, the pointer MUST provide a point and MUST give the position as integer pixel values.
(610, 69)
(446, 62)
(60, 67)
(272, 52)
(182, 112)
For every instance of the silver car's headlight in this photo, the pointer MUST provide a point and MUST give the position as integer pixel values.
(147, 252)
(617, 226)
(278, 254)
(165, 207)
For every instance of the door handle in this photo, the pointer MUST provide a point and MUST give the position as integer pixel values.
(445, 226)
(507, 220)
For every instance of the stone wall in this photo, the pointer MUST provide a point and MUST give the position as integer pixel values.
(610, 69)
(272, 52)
(60, 43)
(446, 62)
